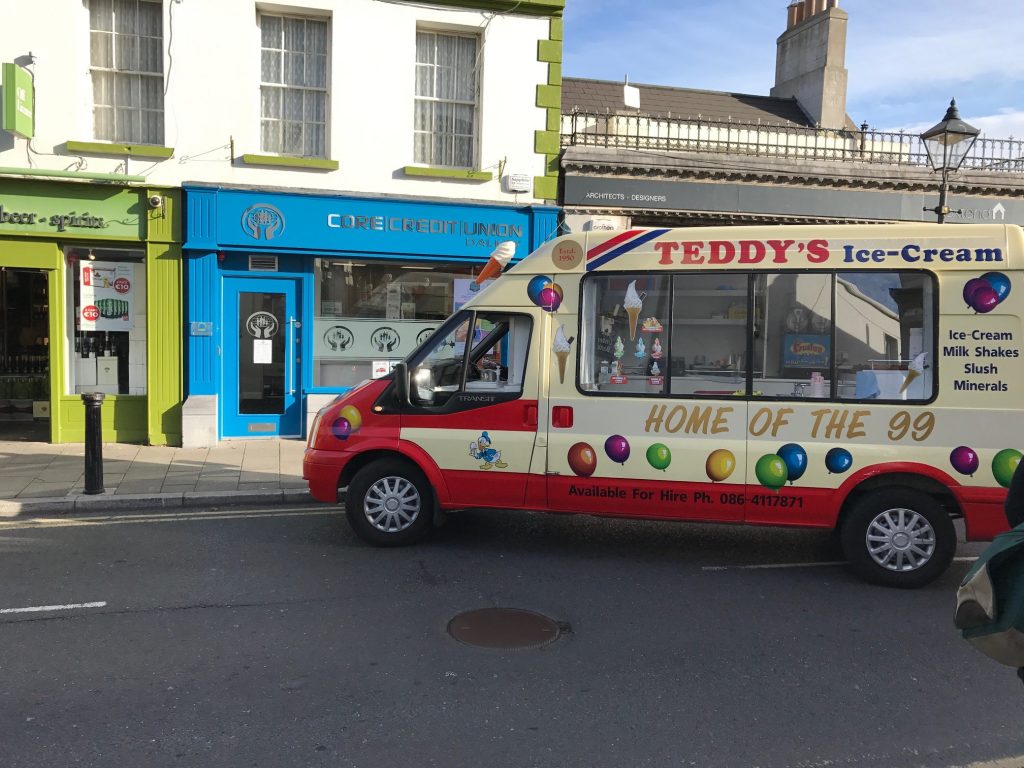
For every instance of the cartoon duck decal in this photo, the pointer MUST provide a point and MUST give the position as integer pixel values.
(482, 451)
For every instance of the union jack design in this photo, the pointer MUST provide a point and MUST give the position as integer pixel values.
(622, 243)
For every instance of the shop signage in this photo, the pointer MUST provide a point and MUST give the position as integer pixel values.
(106, 293)
(345, 338)
(368, 226)
(767, 199)
(38, 208)
(18, 101)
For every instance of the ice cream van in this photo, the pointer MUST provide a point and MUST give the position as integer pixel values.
(866, 379)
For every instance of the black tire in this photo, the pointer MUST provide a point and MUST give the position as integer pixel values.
(389, 503)
(914, 539)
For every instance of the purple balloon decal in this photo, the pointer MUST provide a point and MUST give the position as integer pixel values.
(985, 299)
(617, 448)
(964, 460)
(341, 428)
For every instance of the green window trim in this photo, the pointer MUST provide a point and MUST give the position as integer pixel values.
(123, 150)
(285, 161)
(447, 173)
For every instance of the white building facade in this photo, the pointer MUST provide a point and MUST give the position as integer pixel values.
(341, 170)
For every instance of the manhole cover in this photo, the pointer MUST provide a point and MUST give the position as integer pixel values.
(503, 628)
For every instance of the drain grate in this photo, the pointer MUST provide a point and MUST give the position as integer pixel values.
(503, 628)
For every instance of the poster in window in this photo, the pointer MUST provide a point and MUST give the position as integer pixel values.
(106, 296)
(806, 350)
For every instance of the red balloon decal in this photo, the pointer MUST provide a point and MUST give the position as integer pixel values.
(582, 459)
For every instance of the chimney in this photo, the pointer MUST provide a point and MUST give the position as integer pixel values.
(810, 60)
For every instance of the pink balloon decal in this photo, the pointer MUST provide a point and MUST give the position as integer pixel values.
(964, 460)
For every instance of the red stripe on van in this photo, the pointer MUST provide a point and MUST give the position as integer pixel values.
(597, 250)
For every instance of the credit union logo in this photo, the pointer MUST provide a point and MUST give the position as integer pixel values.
(263, 222)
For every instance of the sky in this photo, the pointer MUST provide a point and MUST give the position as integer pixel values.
(905, 59)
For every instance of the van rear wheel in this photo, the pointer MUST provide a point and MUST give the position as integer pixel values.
(898, 537)
(389, 503)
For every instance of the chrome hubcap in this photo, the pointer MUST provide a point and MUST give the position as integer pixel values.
(392, 504)
(900, 540)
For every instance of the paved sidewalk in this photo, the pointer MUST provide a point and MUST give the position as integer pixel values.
(40, 477)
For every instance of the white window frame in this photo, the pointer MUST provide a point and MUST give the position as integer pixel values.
(430, 159)
(282, 89)
(132, 78)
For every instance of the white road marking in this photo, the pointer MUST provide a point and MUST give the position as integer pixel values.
(825, 564)
(47, 608)
(166, 517)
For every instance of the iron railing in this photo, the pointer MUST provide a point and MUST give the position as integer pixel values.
(670, 134)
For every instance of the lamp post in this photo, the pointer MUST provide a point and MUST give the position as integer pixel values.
(947, 144)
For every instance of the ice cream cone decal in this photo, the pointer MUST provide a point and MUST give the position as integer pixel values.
(915, 369)
(633, 305)
(501, 256)
(561, 347)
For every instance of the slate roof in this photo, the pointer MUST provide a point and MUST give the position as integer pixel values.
(585, 95)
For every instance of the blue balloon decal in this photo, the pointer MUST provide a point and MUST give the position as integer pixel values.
(1000, 284)
(838, 460)
(535, 286)
(795, 459)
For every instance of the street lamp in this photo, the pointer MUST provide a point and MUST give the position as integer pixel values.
(947, 144)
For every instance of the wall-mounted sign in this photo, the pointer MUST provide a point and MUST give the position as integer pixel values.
(18, 101)
(106, 293)
(34, 208)
(347, 338)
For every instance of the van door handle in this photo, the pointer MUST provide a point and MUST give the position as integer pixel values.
(530, 417)
(561, 417)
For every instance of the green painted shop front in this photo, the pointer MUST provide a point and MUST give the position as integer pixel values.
(64, 249)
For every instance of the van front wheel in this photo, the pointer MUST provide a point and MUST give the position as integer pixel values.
(389, 503)
(898, 537)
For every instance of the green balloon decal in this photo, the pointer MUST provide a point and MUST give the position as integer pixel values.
(771, 471)
(1004, 464)
(659, 456)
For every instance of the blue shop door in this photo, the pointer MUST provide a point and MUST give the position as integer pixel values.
(262, 358)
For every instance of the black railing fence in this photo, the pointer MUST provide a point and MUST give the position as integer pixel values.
(670, 134)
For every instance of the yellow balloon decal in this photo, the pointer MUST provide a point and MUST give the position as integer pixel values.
(720, 464)
(351, 413)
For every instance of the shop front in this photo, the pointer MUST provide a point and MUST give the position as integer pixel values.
(90, 301)
(293, 298)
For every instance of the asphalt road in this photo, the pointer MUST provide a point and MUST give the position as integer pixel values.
(277, 639)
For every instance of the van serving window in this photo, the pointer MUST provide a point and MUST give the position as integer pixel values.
(782, 335)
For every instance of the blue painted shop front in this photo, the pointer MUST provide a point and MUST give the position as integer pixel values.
(293, 297)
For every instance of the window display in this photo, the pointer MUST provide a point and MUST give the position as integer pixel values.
(856, 336)
(107, 321)
(369, 315)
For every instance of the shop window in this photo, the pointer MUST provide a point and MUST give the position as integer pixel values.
(709, 334)
(369, 315)
(792, 335)
(626, 334)
(24, 353)
(127, 68)
(293, 85)
(106, 349)
(885, 335)
(446, 99)
(476, 352)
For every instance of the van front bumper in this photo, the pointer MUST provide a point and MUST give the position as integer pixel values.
(322, 470)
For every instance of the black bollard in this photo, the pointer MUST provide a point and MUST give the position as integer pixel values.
(93, 442)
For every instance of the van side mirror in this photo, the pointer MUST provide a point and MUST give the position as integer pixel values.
(401, 372)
